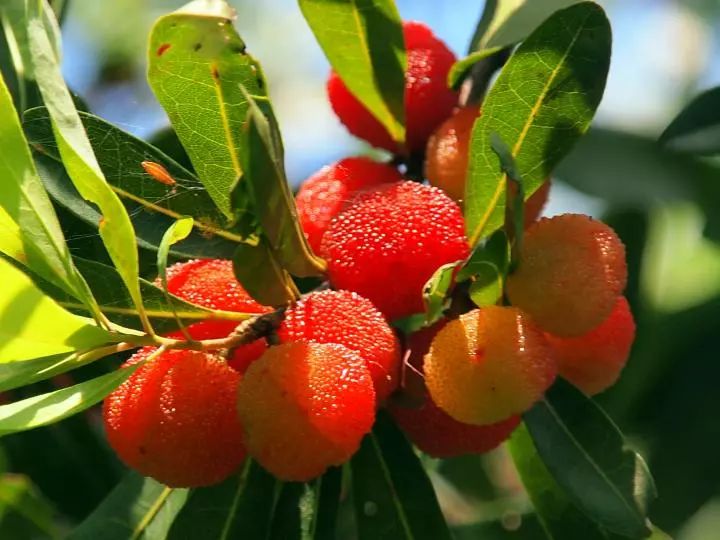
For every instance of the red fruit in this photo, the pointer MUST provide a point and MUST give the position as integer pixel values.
(175, 419)
(488, 365)
(571, 271)
(390, 242)
(211, 283)
(432, 430)
(350, 320)
(428, 100)
(328, 191)
(593, 361)
(305, 406)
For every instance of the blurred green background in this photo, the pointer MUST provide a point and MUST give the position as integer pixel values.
(665, 206)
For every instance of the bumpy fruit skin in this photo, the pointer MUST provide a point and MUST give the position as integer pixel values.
(593, 361)
(350, 320)
(571, 271)
(390, 242)
(305, 406)
(435, 432)
(175, 419)
(446, 161)
(428, 100)
(328, 191)
(488, 365)
(211, 283)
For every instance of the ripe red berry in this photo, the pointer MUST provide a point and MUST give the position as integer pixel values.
(305, 406)
(350, 320)
(390, 242)
(593, 361)
(211, 283)
(175, 419)
(446, 161)
(328, 191)
(428, 100)
(571, 271)
(435, 432)
(488, 365)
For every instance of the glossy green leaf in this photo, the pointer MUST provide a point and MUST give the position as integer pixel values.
(115, 227)
(507, 22)
(514, 198)
(462, 67)
(30, 232)
(696, 130)
(393, 496)
(54, 406)
(197, 68)
(178, 231)
(487, 267)
(240, 507)
(363, 41)
(33, 325)
(153, 202)
(270, 193)
(542, 102)
(588, 458)
(24, 513)
(138, 508)
(559, 517)
(262, 276)
(436, 290)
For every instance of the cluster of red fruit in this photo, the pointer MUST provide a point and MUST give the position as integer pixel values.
(302, 400)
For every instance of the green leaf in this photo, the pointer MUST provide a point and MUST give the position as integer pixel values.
(696, 130)
(588, 458)
(393, 496)
(273, 202)
(487, 267)
(33, 325)
(262, 276)
(178, 231)
(54, 406)
(31, 233)
(541, 103)
(197, 69)
(436, 290)
(153, 202)
(326, 491)
(240, 507)
(138, 508)
(507, 22)
(24, 513)
(116, 229)
(363, 41)
(462, 67)
(514, 196)
(293, 512)
(559, 517)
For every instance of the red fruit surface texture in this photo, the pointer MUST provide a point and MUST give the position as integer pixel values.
(488, 365)
(391, 241)
(332, 188)
(175, 418)
(348, 319)
(435, 432)
(428, 100)
(305, 406)
(211, 283)
(593, 361)
(571, 271)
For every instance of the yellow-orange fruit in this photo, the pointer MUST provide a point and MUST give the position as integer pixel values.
(571, 271)
(593, 361)
(174, 419)
(446, 161)
(305, 406)
(488, 365)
